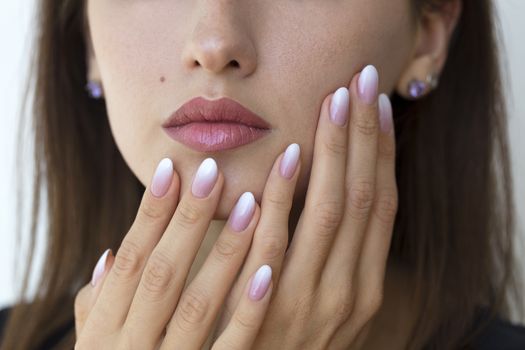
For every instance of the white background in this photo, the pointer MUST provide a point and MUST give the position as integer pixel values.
(16, 28)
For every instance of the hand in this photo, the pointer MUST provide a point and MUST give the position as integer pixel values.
(138, 300)
(329, 284)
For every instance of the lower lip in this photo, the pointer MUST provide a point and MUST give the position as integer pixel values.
(213, 137)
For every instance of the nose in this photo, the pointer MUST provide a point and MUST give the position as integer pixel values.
(220, 40)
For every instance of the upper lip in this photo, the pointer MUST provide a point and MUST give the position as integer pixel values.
(222, 110)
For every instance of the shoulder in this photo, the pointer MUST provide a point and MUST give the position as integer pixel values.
(500, 334)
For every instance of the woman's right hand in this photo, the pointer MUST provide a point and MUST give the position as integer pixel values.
(138, 300)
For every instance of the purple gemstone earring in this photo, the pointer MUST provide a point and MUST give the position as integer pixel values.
(94, 89)
(417, 88)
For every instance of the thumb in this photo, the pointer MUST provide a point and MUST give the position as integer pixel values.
(87, 295)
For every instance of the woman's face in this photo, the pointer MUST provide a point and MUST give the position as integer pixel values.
(153, 56)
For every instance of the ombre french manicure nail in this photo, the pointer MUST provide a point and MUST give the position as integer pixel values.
(385, 114)
(205, 178)
(100, 267)
(260, 283)
(367, 85)
(242, 212)
(162, 178)
(289, 161)
(339, 106)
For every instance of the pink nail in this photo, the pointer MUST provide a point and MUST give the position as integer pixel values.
(243, 212)
(162, 178)
(385, 114)
(260, 282)
(368, 84)
(100, 267)
(339, 106)
(289, 161)
(205, 178)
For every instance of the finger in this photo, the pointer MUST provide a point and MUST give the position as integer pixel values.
(202, 299)
(271, 235)
(87, 296)
(242, 330)
(374, 255)
(360, 179)
(167, 268)
(156, 208)
(324, 204)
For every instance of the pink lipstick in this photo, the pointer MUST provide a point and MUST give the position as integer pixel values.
(218, 125)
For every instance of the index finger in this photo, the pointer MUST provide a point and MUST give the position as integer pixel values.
(324, 202)
(156, 209)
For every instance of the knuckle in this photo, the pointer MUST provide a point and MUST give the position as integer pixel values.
(158, 275)
(303, 307)
(344, 309)
(342, 305)
(366, 125)
(278, 200)
(128, 260)
(329, 215)
(189, 214)
(387, 204)
(272, 247)
(335, 146)
(245, 322)
(150, 211)
(193, 308)
(387, 149)
(361, 197)
(226, 249)
(228, 343)
(371, 304)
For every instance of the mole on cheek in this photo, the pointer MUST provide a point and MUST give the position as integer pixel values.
(162, 79)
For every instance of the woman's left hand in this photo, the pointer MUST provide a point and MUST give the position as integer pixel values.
(329, 284)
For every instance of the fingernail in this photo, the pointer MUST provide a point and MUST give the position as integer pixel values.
(368, 84)
(243, 212)
(289, 161)
(260, 282)
(162, 178)
(385, 114)
(205, 178)
(339, 106)
(100, 267)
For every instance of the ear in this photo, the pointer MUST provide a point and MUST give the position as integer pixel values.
(434, 30)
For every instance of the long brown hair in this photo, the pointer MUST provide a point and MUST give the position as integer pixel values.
(455, 222)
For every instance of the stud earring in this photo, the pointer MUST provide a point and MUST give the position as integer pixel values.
(418, 88)
(94, 89)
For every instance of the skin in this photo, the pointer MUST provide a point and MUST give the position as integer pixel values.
(143, 52)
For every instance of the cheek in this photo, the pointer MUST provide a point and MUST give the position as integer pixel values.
(326, 54)
(134, 48)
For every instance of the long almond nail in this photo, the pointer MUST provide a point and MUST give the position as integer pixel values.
(242, 213)
(100, 267)
(290, 160)
(339, 106)
(205, 178)
(260, 282)
(368, 84)
(162, 178)
(385, 114)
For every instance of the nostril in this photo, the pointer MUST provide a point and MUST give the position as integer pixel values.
(234, 63)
